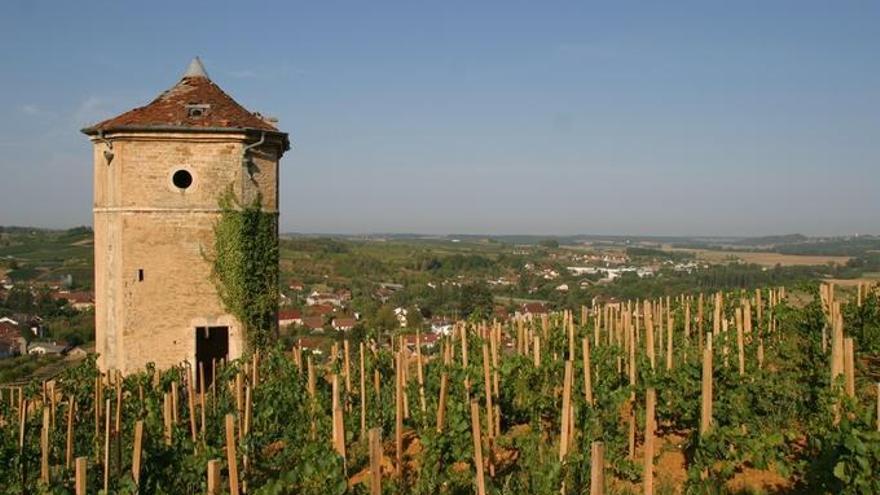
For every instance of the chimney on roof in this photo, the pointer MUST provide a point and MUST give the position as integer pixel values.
(196, 69)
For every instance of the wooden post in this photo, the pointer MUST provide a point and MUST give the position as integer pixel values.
(375, 461)
(597, 468)
(537, 350)
(706, 403)
(107, 447)
(338, 421)
(878, 406)
(478, 447)
(741, 358)
(346, 360)
(849, 367)
(670, 323)
(488, 387)
(588, 380)
(700, 321)
(230, 454)
(214, 481)
(44, 447)
(174, 396)
(565, 417)
(650, 427)
(166, 416)
(363, 394)
(202, 404)
(68, 451)
(464, 358)
(441, 404)
(837, 343)
(420, 374)
(191, 403)
(398, 415)
(687, 325)
(649, 333)
(136, 452)
(99, 401)
(80, 484)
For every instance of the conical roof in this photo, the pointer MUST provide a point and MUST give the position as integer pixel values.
(196, 69)
(194, 103)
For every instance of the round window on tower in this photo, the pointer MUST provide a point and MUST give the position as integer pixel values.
(182, 179)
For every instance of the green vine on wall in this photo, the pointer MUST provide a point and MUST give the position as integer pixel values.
(245, 266)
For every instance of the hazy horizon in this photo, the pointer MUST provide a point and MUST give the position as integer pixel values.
(560, 118)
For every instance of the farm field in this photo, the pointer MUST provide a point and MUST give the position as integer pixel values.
(761, 258)
(736, 392)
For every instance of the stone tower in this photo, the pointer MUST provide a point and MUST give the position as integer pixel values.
(159, 171)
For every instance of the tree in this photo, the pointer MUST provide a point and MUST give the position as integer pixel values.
(383, 322)
(414, 318)
(549, 243)
(475, 299)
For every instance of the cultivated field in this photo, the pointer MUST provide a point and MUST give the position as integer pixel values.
(762, 258)
(723, 393)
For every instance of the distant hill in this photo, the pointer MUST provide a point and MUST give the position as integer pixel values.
(772, 240)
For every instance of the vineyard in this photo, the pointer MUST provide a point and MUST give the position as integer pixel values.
(736, 392)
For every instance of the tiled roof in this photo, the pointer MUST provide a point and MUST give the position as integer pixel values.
(195, 102)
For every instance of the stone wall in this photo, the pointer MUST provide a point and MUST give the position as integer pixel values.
(143, 222)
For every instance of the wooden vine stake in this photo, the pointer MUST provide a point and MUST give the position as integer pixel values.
(68, 450)
(214, 482)
(597, 468)
(166, 416)
(136, 451)
(649, 333)
(346, 365)
(420, 374)
(741, 355)
(230, 454)
(107, 447)
(488, 387)
(588, 381)
(478, 447)
(82, 464)
(398, 415)
(849, 367)
(706, 403)
(191, 403)
(44, 447)
(441, 403)
(565, 427)
(338, 421)
(363, 394)
(375, 461)
(650, 427)
(670, 324)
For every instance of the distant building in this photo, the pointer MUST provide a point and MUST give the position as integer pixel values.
(400, 314)
(316, 298)
(45, 348)
(427, 340)
(313, 322)
(320, 310)
(534, 308)
(79, 301)
(11, 341)
(288, 317)
(343, 324)
(442, 326)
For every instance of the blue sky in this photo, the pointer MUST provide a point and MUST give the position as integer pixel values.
(678, 118)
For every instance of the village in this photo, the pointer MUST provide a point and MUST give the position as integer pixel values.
(50, 316)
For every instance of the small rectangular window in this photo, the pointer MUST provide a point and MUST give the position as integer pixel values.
(140, 275)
